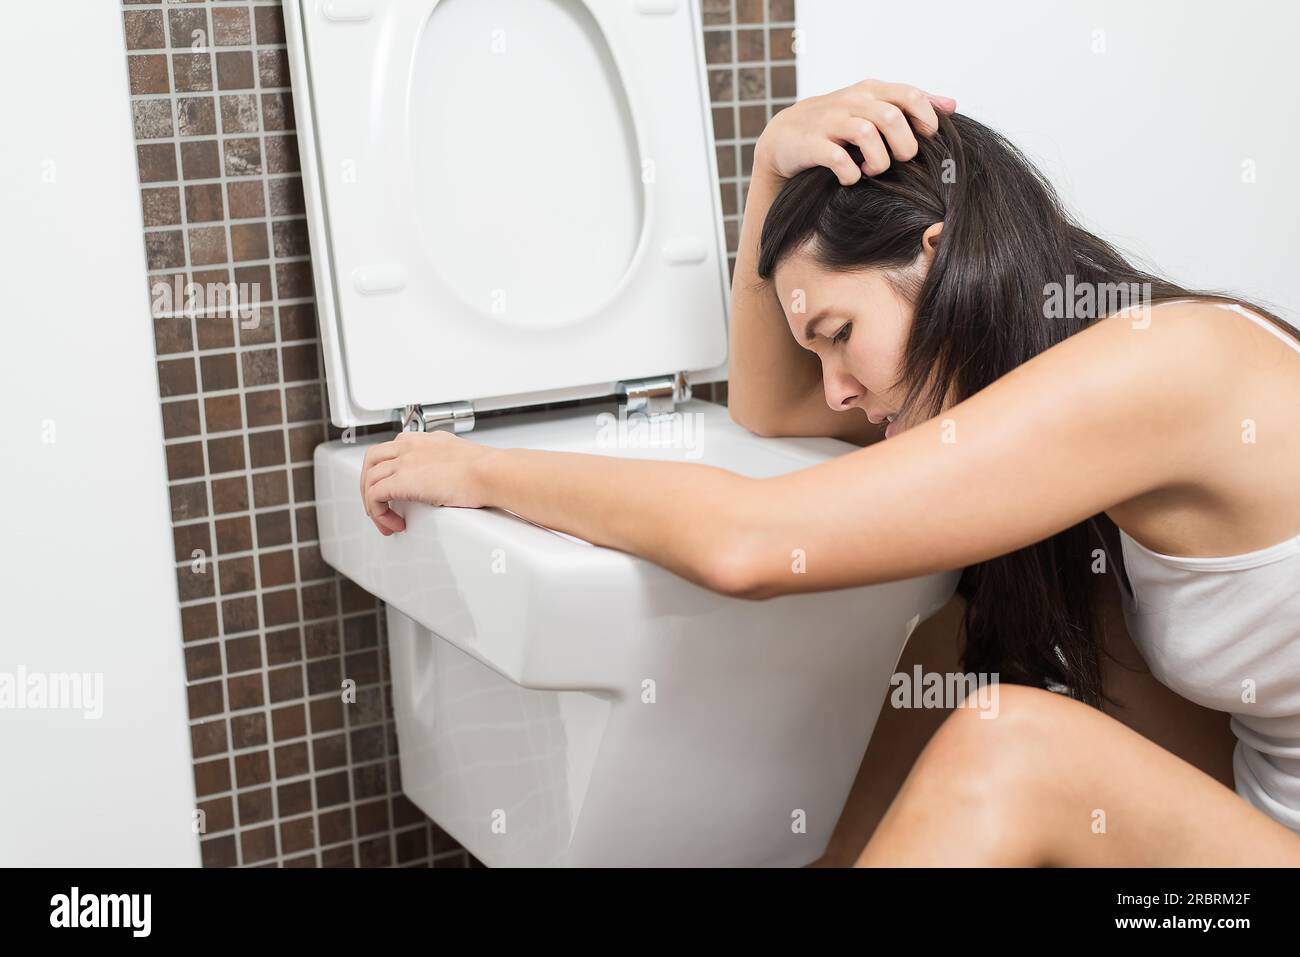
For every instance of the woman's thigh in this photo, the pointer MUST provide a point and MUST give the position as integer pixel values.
(1050, 781)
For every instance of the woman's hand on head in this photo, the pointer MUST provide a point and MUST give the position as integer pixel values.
(437, 468)
(869, 114)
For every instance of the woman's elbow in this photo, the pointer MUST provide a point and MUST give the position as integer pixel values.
(746, 419)
(736, 575)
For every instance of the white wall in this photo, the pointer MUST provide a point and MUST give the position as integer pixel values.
(1145, 140)
(86, 573)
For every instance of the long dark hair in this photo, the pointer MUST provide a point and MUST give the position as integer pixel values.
(980, 312)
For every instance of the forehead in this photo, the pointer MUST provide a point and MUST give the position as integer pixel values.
(805, 286)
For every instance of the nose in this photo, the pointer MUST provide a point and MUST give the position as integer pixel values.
(842, 390)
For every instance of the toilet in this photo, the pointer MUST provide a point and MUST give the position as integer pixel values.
(513, 204)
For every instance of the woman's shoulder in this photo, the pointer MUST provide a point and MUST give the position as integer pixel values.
(1227, 330)
(1190, 343)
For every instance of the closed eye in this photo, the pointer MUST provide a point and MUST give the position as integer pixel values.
(842, 334)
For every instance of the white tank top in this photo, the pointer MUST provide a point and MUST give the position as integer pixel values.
(1224, 632)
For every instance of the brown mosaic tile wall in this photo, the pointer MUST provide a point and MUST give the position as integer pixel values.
(286, 773)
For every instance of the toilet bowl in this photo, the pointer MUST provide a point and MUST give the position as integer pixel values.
(559, 703)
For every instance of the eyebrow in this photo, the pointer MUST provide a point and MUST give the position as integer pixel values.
(808, 326)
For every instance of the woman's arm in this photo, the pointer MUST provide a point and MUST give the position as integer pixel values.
(774, 386)
(1109, 414)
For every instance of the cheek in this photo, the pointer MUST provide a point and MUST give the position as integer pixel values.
(873, 365)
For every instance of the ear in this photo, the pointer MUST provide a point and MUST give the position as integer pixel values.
(930, 240)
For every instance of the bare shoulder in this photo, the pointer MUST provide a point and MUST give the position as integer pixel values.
(1208, 333)
(1148, 363)
(1174, 353)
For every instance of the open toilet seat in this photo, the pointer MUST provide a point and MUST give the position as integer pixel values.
(551, 233)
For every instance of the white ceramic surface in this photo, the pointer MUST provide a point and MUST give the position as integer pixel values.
(520, 656)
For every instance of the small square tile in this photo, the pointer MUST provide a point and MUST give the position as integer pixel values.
(716, 11)
(277, 111)
(263, 408)
(156, 162)
(290, 238)
(152, 119)
(282, 154)
(235, 70)
(180, 418)
(208, 737)
(248, 730)
(270, 25)
(248, 241)
(751, 83)
(184, 460)
(294, 798)
(215, 332)
(293, 280)
(165, 250)
(239, 113)
(246, 200)
(234, 535)
(244, 654)
(161, 206)
(289, 722)
(751, 46)
(205, 699)
(219, 372)
(243, 157)
(273, 529)
(147, 73)
(231, 26)
(195, 116)
(283, 646)
(272, 488)
(273, 68)
(211, 777)
(286, 196)
(783, 82)
(176, 377)
(203, 203)
(200, 159)
(144, 30)
(192, 72)
(229, 495)
(219, 851)
(245, 691)
(223, 413)
(189, 28)
(252, 769)
(208, 245)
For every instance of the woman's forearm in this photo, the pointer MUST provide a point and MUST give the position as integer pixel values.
(768, 373)
(689, 518)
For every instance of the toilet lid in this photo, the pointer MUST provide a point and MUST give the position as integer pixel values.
(509, 201)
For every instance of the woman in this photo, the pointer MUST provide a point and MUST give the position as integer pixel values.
(933, 283)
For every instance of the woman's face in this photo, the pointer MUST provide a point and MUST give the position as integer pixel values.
(857, 324)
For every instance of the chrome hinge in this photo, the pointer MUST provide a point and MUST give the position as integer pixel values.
(449, 417)
(655, 396)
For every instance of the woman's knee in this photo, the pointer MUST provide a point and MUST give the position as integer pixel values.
(995, 750)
